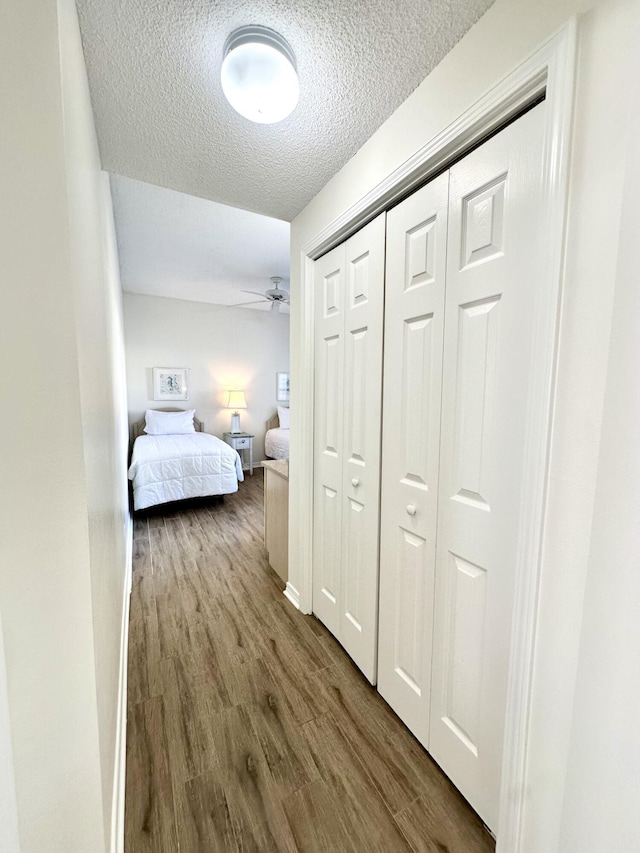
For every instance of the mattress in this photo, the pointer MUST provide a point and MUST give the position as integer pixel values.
(174, 467)
(276, 443)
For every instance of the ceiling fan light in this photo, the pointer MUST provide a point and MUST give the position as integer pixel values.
(258, 75)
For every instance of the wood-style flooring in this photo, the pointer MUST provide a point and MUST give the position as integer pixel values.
(248, 727)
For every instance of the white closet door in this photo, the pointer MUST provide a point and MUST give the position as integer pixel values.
(493, 282)
(414, 318)
(328, 456)
(364, 302)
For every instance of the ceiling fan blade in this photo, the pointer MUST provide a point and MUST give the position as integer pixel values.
(254, 293)
(242, 304)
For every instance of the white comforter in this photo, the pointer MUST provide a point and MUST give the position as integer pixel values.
(276, 443)
(173, 467)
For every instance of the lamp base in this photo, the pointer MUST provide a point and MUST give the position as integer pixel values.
(235, 422)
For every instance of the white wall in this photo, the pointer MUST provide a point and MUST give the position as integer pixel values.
(64, 512)
(606, 67)
(223, 348)
(9, 837)
(99, 336)
(603, 781)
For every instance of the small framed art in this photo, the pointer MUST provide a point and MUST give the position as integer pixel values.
(170, 383)
(282, 387)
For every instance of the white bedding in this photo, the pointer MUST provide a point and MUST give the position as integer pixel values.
(276, 443)
(174, 467)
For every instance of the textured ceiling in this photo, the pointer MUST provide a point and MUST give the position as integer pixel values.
(171, 244)
(154, 70)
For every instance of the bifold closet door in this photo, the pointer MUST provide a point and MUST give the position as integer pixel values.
(413, 340)
(494, 284)
(463, 284)
(328, 416)
(349, 298)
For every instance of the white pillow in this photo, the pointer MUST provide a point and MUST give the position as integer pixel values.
(169, 423)
(283, 417)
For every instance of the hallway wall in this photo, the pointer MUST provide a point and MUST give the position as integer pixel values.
(603, 783)
(65, 517)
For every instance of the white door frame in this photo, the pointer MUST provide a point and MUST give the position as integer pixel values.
(549, 71)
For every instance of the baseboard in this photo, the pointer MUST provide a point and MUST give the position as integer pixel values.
(119, 776)
(292, 594)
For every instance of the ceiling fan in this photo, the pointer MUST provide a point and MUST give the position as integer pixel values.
(275, 296)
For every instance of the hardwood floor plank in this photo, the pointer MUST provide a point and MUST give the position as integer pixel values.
(143, 599)
(193, 592)
(190, 720)
(213, 674)
(158, 540)
(284, 748)
(141, 556)
(174, 527)
(356, 800)
(249, 727)
(256, 811)
(173, 626)
(191, 521)
(442, 821)
(169, 565)
(216, 569)
(221, 630)
(250, 683)
(196, 540)
(397, 765)
(300, 692)
(140, 528)
(144, 679)
(320, 822)
(204, 818)
(150, 817)
(255, 584)
(308, 652)
(260, 620)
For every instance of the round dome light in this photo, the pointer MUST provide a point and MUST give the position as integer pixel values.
(259, 75)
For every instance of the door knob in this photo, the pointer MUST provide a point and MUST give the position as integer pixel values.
(355, 482)
(411, 510)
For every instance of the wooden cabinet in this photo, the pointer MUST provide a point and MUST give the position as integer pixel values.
(276, 514)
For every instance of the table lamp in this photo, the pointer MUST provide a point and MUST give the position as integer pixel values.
(236, 401)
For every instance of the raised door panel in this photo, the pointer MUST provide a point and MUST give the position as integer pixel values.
(493, 278)
(329, 283)
(364, 288)
(413, 340)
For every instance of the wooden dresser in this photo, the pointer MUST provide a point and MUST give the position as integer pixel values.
(276, 514)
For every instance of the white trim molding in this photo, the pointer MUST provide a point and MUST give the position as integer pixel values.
(548, 73)
(291, 593)
(559, 55)
(119, 775)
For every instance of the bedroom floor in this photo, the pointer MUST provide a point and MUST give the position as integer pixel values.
(248, 727)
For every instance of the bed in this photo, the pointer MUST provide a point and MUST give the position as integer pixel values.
(177, 466)
(276, 440)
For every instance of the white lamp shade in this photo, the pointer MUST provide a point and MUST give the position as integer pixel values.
(236, 400)
(258, 75)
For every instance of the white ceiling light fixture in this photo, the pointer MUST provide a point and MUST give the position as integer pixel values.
(259, 76)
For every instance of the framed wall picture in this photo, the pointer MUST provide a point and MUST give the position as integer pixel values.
(170, 383)
(282, 387)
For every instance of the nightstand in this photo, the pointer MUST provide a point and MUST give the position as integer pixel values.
(243, 443)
